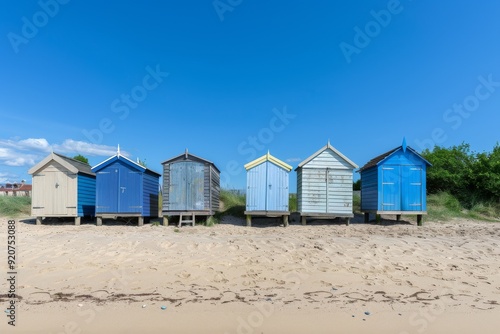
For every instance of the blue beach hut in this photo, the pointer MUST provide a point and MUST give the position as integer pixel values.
(125, 188)
(267, 188)
(395, 183)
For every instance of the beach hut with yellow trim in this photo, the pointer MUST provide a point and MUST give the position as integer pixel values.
(267, 188)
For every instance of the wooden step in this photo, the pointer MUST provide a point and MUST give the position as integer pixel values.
(191, 220)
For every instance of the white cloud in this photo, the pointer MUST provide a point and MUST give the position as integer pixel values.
(30, 144)
(10, 157)
(293, 159)
(25, 152)
(81, 147)
(20, 161)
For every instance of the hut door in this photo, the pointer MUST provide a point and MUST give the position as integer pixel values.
(195, 179)
(58, 182)
(277, 188)
(391, 188)
(107, 196)
(412, 188)
(186, 186)
(129, 192)
(176, 190)
(257, 188)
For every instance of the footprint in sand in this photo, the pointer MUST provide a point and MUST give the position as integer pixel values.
(183, 275)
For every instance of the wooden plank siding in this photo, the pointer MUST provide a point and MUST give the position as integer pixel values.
(326, 196)
(369, 189)
(324, 183)
(86, 195)
(150, 195)
(193, 183)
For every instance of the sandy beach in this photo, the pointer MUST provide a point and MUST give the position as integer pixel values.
(319, 278)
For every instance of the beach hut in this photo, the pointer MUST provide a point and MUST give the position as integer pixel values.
(395, 183)
(324, 185)
(191, 187)
(63, 188)
(126, 189)
(267, 188)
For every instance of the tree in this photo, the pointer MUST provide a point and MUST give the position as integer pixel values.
(486, 175)
(450, 171)
(356, 185)
(469, 176)
(81, 158)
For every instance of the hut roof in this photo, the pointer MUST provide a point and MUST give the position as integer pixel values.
(188, 156)
(377, 160)
(126, 160)
(268, 157)
(328, 146)
(72, 165)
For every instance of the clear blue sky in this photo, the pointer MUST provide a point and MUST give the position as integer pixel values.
(363, 75)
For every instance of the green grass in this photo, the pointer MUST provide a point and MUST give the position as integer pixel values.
(15, 206)
(356, 203)
(444, 207)
(292, 203)
(211, 221)
(233, 204)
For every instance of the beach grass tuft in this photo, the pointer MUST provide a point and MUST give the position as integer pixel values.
(15, 206)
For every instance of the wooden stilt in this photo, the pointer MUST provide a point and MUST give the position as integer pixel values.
(249, 220)
(347, 221)
(303, 220)
(165, 220)
(378, 218)
(78, 220)
(140, 221)
(367, 217)
(99, 221)
(39, 220)
(285, 220)
(419, 220)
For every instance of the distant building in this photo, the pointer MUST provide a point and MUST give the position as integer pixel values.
(15, 189)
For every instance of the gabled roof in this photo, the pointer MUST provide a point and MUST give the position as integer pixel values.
(377, 160)
(127, 161)
(189, 157)
(270, 158)
(324, 148)
(72, 165)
